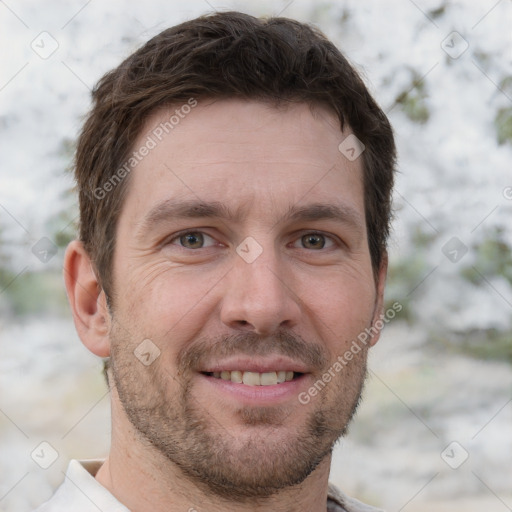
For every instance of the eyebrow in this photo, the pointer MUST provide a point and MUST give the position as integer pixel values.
(195, 209)
(326, 211)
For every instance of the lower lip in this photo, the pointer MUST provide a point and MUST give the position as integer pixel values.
(257, 395)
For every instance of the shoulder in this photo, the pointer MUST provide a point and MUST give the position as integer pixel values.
(343, 503)
(80, 492)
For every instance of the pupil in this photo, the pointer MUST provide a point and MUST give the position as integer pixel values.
(192, 240)
(314, 241)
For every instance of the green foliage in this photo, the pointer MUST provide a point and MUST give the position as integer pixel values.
(413, 100)
(30, 293)
(322, 11)
(488, 344)
(484, 59)
(34, 293)
(422, 239)
(6, 276)
(67, 149)
(506, 84)
(405, 273)
(493, 257)
(503, 125)
(438, 12)
(63, 226)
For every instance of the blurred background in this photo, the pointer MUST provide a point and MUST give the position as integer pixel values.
(435, 429)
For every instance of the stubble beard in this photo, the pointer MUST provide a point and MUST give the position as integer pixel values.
(271, 454)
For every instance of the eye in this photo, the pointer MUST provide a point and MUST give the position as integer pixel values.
(315, 241)
(192, 240)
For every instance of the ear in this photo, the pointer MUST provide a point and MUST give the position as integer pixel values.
(87, 300)
(379, 302)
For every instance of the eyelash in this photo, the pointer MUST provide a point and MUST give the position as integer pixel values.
(194, 231)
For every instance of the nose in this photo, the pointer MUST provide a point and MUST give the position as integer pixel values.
(259, 297)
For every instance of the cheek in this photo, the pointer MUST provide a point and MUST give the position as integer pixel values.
(169, 302)
(340, 305)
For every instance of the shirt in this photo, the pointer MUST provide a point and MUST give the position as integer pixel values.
(81, 492)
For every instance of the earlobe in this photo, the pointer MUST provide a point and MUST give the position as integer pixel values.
(377, 322)
(87, 300)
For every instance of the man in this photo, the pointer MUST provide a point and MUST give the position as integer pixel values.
(234, 178)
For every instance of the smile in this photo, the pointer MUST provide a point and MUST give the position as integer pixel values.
(255, 378)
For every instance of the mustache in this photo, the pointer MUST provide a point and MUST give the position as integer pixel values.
(251, 344)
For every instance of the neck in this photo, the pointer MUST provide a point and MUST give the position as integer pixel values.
(142, 479)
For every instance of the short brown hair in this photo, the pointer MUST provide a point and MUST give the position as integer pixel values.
(224, 55)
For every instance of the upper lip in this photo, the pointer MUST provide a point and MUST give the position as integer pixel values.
(256, 364)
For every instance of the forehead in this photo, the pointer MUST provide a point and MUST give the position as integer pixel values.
(248, 155)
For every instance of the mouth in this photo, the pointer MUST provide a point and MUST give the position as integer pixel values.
(251, 378)
(254, 381)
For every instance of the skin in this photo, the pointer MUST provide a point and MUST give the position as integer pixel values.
(301, 302)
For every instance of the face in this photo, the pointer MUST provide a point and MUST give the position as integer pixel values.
(242, 257)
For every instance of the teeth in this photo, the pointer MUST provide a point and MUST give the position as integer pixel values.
(251, 379)
(236, 376)
(255, 378)
(268, 379)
